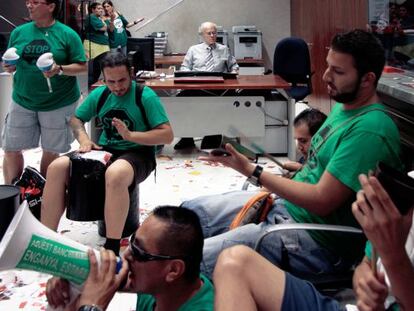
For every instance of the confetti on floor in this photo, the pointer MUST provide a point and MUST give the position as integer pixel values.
(179, 176)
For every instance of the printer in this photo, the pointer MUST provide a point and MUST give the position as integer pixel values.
(222, 36)
(247, 42)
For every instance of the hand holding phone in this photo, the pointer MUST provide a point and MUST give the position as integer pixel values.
(399, 186)
(220, 152)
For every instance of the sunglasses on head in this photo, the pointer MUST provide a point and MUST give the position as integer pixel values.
(140, 255)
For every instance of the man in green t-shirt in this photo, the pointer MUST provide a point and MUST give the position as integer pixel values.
(161, 265)
(356, 135)
(130, 132)
(384, 282)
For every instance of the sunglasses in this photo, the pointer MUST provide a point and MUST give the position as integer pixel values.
(142, 256)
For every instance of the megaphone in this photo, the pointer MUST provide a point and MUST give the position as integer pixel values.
(28, 244)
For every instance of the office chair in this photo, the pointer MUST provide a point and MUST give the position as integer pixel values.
(291, 61)
(329, 284)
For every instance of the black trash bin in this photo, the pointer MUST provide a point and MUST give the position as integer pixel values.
(86, 195)
(9, 203)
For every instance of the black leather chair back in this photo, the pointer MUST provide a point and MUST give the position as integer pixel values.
(291, 61)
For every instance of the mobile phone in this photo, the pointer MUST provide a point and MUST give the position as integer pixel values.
(215, 145)
(219, 152)
(399, 186)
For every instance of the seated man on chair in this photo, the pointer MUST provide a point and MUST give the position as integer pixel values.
(206, 56)
(305, 125)
(244, 280)
(161, 265)
(125, 134)
(357, 134)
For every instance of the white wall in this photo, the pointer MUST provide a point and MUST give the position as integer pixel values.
(272, 17)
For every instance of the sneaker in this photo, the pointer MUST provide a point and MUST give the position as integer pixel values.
(31, 178)
(185, 143)
(31, 185)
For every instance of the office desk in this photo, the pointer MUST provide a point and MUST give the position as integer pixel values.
(168, 60)
(172, 60)
(248, 82)
(397, 93)
(211, 114)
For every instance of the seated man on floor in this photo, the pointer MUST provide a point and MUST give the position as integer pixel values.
(244, 280)
(206, 56)
(161, 265)
(306, 124)
(357, 134)
(125, 134)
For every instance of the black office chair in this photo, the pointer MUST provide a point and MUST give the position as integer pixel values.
(291, 61)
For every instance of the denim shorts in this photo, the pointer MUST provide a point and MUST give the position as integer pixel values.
(23, 129)
(302, 295)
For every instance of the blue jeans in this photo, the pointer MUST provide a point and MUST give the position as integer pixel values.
(291, 250)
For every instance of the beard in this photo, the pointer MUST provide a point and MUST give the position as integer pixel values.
(348, 97)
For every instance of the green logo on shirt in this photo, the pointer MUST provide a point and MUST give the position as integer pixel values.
(34, 49)
(111, 133)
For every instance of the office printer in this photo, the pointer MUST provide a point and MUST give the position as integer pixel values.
(247, 42)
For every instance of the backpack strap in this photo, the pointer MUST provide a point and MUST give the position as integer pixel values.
(139, 88)
(102, 99)
(254, 211)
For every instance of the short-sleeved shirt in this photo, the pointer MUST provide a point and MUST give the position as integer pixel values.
(30, 88)
(349, 143)
(118, 37)
(203, 300)
(390, 302)
(126, 109)
(93, 24)
(197, 55)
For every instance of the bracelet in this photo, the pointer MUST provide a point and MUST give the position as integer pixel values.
(60, 70)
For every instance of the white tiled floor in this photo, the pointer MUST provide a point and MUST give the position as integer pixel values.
(179, 176)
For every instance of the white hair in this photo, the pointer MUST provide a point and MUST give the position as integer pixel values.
(206, 25)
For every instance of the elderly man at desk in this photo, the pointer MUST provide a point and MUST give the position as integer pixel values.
(209, 55)
(206, 56)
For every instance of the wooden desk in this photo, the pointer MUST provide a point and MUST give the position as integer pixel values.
(248, 82)
(177, 60)
(169, 60)
(195, 116)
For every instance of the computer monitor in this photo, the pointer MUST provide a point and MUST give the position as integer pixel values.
(141, 53)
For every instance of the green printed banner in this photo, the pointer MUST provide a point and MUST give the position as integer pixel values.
(55, 258)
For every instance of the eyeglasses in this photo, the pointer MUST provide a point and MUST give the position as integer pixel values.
(35, 3)
(142, 256)
(211, 33)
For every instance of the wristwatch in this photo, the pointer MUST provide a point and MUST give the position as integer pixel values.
(90, 308)
(60, 70)
(254, 179)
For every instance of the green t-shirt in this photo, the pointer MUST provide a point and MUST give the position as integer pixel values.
(203, 300)
(30, 88)
(118, 37)
(124, 108)
(351, 149)
(92, 24)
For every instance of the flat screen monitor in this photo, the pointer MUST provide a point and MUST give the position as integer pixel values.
(143, 58)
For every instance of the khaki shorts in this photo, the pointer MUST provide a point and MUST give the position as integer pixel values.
(23, 129)
(95, 49)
